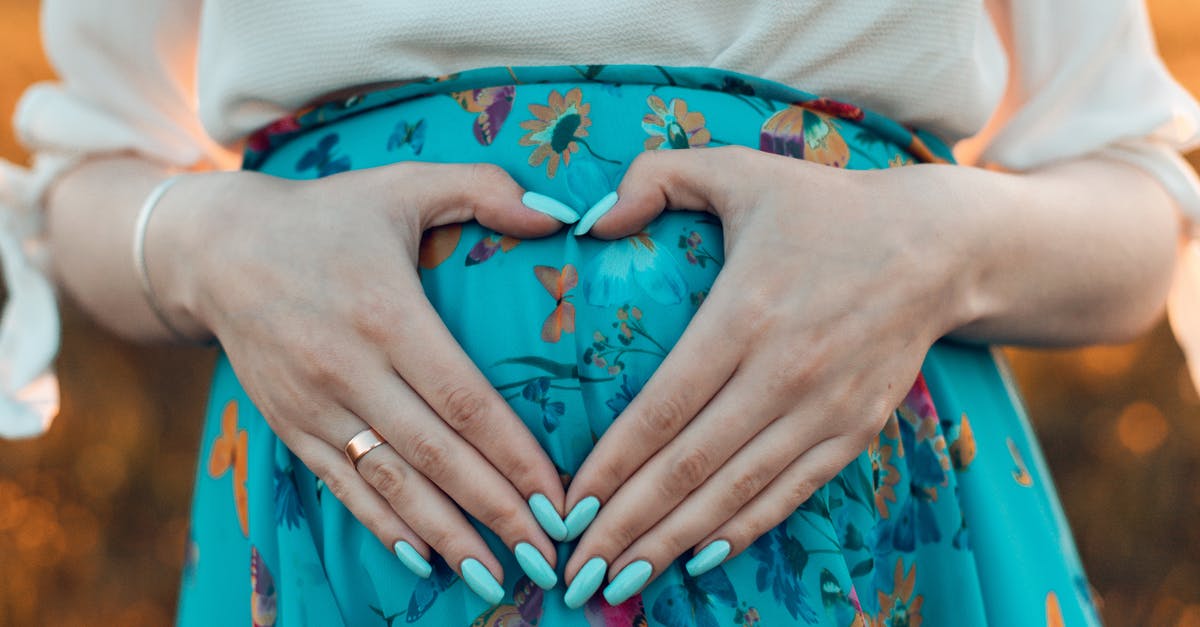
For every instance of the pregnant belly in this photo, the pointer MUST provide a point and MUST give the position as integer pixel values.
(569, 328)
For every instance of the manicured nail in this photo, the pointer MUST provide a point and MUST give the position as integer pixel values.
(549, 206)
(584, 585)
(413, 560)
(708, 558)
(629, 580)
(595, 213)
(547, 517)
(535, 565)
(481, 581)
(582, 516)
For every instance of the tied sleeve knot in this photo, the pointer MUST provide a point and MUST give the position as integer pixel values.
(29, 326)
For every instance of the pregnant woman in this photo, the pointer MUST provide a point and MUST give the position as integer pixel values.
(628, 314)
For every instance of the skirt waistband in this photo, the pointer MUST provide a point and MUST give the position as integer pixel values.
(800, 114)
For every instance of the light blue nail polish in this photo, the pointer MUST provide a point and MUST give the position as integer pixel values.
(629, 580)
(413, 560)
(708, 558)
(584, 585)
(547, 517)
(591, 216)
(549, 206)
(535, 565)
(481, 581)
(581, 516)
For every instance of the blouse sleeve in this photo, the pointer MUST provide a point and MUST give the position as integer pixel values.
(1085, 77)
(126, 84)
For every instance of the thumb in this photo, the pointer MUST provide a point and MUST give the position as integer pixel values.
(445, 193)
(696, 179)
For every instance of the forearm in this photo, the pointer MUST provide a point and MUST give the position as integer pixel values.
(91, 216)
(1077, 253)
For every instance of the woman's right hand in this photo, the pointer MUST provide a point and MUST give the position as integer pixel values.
(312, 289)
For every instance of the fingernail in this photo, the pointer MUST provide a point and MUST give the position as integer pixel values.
(535, 565)
(629, 580)
(595, 213)
(549, 206)
(581, 516)
(585, 583)
(481, 581)
(547, 517)
(413, 560)
(708, 558)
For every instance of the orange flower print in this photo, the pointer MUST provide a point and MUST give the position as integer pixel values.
(673, 126)
(900, 608)
(229, 451)
(886, 475)
(1054, 615)
(962, 451)
(557, 130)
(798, 132)
(558, 283)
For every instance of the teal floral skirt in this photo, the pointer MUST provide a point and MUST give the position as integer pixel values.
(947, 518)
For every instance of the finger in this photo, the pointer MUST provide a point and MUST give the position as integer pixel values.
(786, 493)
(725, 493)
(729, 421)
(449, 193)
(451, 388)
(657, 180)
(444, 459)
(429, 512)
(364, 503)
(677, 391)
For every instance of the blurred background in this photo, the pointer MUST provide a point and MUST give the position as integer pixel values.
(93, 516)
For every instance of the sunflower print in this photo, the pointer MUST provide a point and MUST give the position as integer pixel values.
(557, 129)
(901, 607)
(673, 126)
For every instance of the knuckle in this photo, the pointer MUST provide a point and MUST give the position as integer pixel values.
(487, 177)
(746, 487)
(505, 519)
(665, 415)
(337, 486)
(790, 376)
(687, 471)
(462, 407)
(373, 313)
(428, 454)
(387, 479)
(324, 366)
(443, 541)
(758, 302)
(802, 489)
(620, 536)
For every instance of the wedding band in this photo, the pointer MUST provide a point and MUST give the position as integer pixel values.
(362, 443)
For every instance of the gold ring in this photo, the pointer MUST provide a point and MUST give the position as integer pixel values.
(362, 443)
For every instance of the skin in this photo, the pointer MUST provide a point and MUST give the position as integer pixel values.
(812, 334)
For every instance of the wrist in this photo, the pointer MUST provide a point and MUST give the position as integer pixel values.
(175, 244)
(954, 235)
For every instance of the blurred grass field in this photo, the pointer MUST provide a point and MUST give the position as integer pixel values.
(93, 516)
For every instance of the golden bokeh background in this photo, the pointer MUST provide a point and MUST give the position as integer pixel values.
(93, 516)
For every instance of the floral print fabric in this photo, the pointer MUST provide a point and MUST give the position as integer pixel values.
(948, 517)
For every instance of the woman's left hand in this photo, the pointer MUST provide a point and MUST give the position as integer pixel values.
(836, 283)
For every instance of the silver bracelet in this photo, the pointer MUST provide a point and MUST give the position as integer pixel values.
(139, 254)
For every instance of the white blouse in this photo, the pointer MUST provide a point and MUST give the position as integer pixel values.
(1012, 83)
